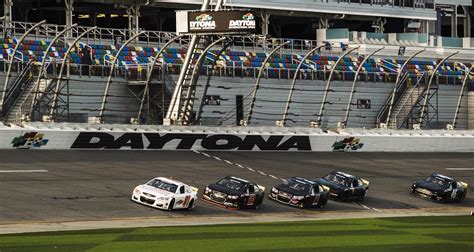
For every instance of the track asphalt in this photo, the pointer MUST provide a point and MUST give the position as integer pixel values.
(94, 186)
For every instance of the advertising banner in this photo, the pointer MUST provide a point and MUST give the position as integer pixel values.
(206, 141)
(221, 22)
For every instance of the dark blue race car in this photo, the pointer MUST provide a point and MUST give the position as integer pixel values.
(440, 188)
(345, 187)
(300, 192)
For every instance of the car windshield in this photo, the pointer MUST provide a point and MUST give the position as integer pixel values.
(437, 181)
(297, 185)
(163, 185)
(231, 184)
(337, 179)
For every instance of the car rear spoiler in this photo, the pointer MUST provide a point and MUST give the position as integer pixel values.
(261, 187)
(366, 182)
(194, 189)
(326, 188)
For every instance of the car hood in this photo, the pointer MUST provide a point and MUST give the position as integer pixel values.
(287, 189)
(223, 189)
(429, 186)
(155, 191)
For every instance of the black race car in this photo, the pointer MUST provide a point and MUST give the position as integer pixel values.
(345, 187)
(300, 192)
(234, 193)
(440, 188)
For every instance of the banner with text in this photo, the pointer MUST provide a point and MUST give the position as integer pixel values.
(110, 140)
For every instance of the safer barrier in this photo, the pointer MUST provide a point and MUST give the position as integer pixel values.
(126, 137)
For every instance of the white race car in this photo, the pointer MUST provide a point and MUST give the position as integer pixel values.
(167, 194)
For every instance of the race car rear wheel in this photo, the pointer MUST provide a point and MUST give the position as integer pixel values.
(170, 206)
(191, 204)
(257, 206)
(462, 197)
(363, 196)
(344, 197)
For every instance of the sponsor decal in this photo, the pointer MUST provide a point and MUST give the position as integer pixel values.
(348, 144)
(247, 22)
(157, 141)
(203, 22)
(29, 140)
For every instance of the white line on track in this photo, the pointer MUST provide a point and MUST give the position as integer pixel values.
(460, 169)
(238, 165)
(22, 171)
(369, 208)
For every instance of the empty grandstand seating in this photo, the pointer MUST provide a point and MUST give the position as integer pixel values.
(244, 61)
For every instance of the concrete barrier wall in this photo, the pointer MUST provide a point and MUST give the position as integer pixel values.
(234, 139)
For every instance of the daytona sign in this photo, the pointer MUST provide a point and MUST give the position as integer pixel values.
(157, 141)
(232, 21)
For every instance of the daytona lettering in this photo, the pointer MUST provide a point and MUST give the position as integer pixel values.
(156, 141)
(201, 25)
(242, 24)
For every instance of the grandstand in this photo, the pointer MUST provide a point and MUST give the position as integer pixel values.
(340, 77)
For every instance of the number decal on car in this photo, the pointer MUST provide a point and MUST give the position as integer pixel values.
(453, 194)
(186, 201)
(316, 199)
(251, 200)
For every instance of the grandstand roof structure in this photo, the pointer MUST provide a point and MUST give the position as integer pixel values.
(278, 18)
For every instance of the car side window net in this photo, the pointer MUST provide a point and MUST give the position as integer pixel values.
(181, 190)
(355, 183)
(251, 189)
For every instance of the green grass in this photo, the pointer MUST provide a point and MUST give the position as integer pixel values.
(387, 234)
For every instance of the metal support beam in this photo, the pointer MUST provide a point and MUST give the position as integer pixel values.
(349, 103)
(63, 64)
(461, 94)
(324, 23)
(133, 13)
(43, 61)
(7, 13)
(265, 22)
(467, 22)
(18, 43)
(379, 25)
(150, 72)
(397, 80)
(454, 22)
(196, 72)
(328, 85)
(172, 112)
(433, 74)
(109, 79)
(206, 87)
(218, 5)
(257, 83)
(69, 15)
(282, 123)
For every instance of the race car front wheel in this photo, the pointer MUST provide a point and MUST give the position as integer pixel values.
(170, 207)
